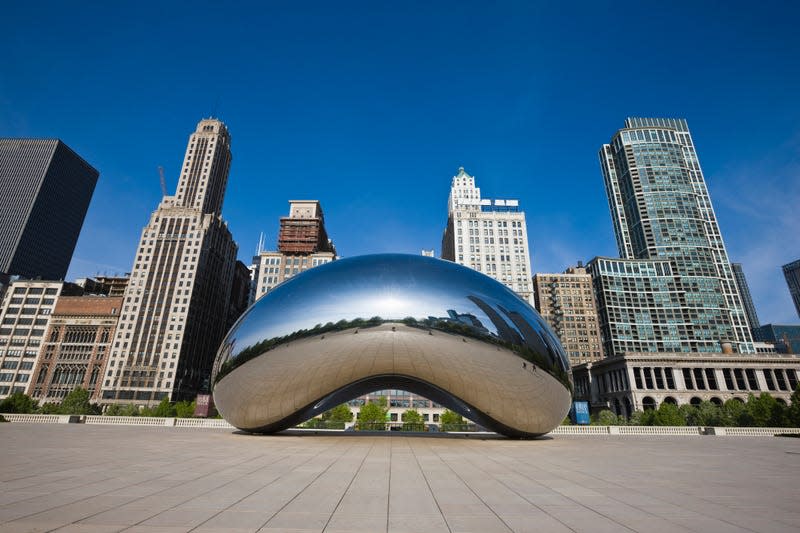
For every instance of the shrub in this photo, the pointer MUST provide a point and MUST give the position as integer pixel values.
(18, 403)
(77, 403)
(668, 414)
(164, 409)
(185, 409)
(117, 409)
(373, 415)
(607, 417)
(451, 421)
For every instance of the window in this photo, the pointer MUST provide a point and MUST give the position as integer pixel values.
(768, 379)
(751, 379)
(687, 379)
(711, 379)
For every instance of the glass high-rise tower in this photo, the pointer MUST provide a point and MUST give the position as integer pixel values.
(791, 272)
(747, 299)
(661, 209)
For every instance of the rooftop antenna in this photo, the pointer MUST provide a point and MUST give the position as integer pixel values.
(163, 181)
(260, 247)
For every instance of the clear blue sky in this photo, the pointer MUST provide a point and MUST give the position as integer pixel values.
(371, 108)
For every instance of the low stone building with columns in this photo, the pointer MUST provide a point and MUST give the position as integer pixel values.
(638, 381)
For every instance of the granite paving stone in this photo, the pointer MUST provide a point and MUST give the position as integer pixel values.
(98, 479)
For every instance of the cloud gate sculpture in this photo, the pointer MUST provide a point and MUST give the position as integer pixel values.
(420, 324)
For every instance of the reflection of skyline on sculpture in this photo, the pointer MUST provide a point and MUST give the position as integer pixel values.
(391, 297)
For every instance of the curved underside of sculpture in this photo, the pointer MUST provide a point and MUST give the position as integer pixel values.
(414, 323)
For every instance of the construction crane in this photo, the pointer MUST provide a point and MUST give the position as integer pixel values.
(163, 181)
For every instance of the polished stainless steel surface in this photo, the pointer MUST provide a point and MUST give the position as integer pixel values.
(392, 321)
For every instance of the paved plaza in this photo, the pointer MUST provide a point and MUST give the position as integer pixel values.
(116, 478)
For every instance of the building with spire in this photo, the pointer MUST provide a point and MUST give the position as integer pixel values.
(488, 235)
(177, 304)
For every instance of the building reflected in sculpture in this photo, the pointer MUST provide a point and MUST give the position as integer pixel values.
(424, 325)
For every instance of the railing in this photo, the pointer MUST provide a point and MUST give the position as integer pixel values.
(673, 430)
(205, 423)
(218, 423)
(35, 419)
(129, 420)
(759, 432)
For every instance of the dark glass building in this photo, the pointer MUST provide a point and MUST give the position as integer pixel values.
(45, 190)
(785, 338)
(747, 299)
(792, 274)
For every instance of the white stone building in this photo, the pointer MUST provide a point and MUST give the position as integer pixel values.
(176, 307)
(25, 315)
(488, 235)
(637, 381)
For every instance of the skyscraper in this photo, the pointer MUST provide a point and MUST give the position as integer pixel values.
(176, 307)
(791, 272)
(45, 190)
(487, 235)
(303, 243)
(661, 209)
(567, 302)
(747, 300)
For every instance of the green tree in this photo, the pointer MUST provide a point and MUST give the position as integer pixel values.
(339, 414)
(793, 412)
(315, 423)
(164, 409)
(185, 409)
(413, 421)
(451, 421)
(734, 413)
(668, 414)
(606, 417)
(689, 413)
(765, 411)
(642, 418)
(18, 403)
(373, 415)
(708, 414)
(118, 409)
(77, 403)
(50, 408)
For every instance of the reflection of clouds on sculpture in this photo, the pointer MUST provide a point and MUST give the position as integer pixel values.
(424, 294)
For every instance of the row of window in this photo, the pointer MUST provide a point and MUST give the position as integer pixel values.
(736, 379)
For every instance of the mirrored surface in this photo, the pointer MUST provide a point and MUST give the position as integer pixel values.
(381, 321)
